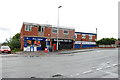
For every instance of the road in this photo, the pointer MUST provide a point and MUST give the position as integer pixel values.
(101, 63)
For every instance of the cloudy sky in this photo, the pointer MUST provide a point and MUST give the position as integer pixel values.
(83, 15)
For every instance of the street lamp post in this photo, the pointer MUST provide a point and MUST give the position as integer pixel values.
(58, 26)
(96, 34)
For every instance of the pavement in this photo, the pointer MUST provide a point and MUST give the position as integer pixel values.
(42, 53)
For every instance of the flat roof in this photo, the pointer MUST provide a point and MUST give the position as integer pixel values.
(86, 33)
(48, 25)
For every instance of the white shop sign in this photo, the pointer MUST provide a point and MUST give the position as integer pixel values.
(84, 42)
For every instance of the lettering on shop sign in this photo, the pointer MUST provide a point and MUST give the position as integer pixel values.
(31, 38)
(40, 39)
(62, 40)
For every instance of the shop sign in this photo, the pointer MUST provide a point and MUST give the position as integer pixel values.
(84, 42)
(35, 38)
(62, 40)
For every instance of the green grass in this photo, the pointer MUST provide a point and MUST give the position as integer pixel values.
(16, 50)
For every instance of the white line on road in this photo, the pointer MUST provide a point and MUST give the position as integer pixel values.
(99, 69)
(108, 62)
(108, 66)
(87, 72)
(115, 65)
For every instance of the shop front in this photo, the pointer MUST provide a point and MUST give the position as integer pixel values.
(34, 43)
(84, 44)
(40, 43)
(62, 44)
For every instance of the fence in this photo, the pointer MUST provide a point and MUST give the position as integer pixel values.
(107, 46)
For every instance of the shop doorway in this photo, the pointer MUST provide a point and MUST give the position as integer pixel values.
(43, 45)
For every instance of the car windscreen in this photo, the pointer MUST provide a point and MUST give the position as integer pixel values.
(5, 47)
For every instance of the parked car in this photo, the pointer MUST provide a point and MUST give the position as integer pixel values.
(5, 49)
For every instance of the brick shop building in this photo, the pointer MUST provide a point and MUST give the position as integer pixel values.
(35, 37)
(85, 40)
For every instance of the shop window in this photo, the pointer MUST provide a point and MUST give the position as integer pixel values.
(35, 26)
(35, 43)
(28, 28)
(54, 30)
(65, 31)
(29, 42)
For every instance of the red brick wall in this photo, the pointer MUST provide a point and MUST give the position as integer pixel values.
(93, 38)
(21, 37)
(33, 32)
(47, 32)
(61, 34)
(71, 34)
(79, 38)
(87, 38)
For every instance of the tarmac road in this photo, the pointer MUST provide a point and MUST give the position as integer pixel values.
(90, 64)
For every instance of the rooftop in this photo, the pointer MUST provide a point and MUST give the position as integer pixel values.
(48, 25)
(86, 33)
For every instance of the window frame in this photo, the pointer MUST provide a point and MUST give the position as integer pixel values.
(76, 36)
(54, 29)
(90, 36)
(83, 36)
(28, 27)
(66, 30)
(40, 28)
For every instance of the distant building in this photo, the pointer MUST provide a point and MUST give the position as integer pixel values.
(117, 43)
(85, 40)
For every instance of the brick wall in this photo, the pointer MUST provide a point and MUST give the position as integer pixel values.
(79, 38)
(61, 34)
(47, 32)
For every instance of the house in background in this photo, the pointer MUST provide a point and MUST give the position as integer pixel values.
(117, 43)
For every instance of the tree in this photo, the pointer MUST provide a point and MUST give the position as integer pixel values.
(106, 41)
(118, 39)
(13, 42)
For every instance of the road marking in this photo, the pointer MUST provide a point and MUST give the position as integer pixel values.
(87, 72)
(99, 69)
(108, 62)
(115, 65)
(108, 66)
